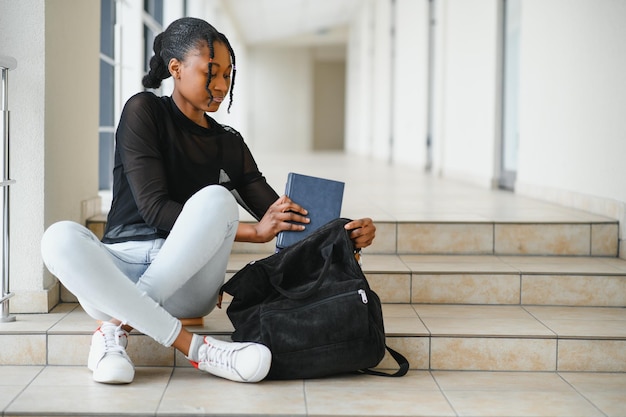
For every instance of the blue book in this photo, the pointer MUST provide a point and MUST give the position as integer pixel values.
(321, 197)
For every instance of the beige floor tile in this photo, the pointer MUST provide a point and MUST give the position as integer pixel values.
(145, 351)
(440, 215)
(68, 349)
(483, 327)
(457, 264)
(592, 355)
(569, 290)
(500, 381)
(23, 349)
(606, 391)
(591, 381)
(612, 403)
(521, 403)
(238, 260)
(384, 264)
(492, 354)
(217, 322)
(8, 394)
(415, 349)
(398, 310)
(71, 390)
(405, 326)
(385, 240)
(602, 329)
(76, 322)
(565, 265)
(617, 263)
(194, 392)
(391, 288)
(18, 375)
(413, 380)
(582, 322)
(465, 288)
(540, 212)
(542, 239)
(428, 238)
(36, 323)
(577, 313)
(470, 311)
(604, 239)
(260, 250)
(412, 395)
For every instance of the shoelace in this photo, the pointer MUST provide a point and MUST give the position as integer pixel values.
(220, 357)
(112, 339)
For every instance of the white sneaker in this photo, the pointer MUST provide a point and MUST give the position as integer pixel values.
(241, 362)
(107, 356)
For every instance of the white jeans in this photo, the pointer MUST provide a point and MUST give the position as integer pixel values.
(149, 284)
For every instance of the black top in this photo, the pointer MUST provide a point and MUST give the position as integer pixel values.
(162, 158)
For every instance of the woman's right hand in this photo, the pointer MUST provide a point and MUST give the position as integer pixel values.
(277, 218)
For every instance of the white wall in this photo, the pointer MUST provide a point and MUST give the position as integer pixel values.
(572, 104)
(359, 69)
(468, 125)
(280, 99)
(380, 86)
(329, 105)
(53, 99)
(410, 94)
(386, 103)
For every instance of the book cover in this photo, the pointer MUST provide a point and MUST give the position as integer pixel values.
(320, 196)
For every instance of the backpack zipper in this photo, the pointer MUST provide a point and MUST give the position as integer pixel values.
(360, 292)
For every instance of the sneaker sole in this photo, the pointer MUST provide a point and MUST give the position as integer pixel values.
(111, 377)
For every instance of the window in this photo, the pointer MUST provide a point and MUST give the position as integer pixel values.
(107, 94)
(120, 73)
(152, 26)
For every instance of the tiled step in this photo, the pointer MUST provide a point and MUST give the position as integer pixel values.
(493, 280)
(594, 236)
(497, 313)
(434, 337)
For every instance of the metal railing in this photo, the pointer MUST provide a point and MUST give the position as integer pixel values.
(7, 63)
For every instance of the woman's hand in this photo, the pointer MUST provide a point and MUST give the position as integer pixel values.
(362, 232)
(280, 215)
(276, 219)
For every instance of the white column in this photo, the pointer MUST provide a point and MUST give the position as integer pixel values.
(54, 129)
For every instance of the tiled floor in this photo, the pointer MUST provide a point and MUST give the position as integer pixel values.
(402, 193)
(163, 391)
(387, 194)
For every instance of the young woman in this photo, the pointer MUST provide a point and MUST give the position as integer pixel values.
(177, 179)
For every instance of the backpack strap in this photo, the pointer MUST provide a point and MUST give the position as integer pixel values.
(399, 358)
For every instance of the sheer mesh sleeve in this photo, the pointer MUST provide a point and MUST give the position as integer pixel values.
(142, 160)
(254, 193)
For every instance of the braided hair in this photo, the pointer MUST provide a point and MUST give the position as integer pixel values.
(181, 37)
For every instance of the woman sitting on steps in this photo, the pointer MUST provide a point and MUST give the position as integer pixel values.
(178, 176)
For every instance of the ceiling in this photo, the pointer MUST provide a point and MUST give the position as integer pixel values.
(292, 22)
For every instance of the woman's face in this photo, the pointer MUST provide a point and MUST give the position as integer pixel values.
(191, 77)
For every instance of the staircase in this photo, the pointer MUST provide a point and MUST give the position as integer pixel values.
(472, 281)
(499, 296)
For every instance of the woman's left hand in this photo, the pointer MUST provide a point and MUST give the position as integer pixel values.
(362, 232)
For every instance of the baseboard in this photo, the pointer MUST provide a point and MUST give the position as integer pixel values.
(597, 205)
